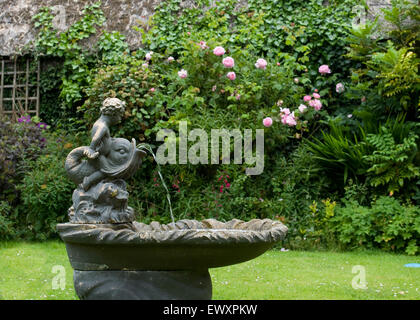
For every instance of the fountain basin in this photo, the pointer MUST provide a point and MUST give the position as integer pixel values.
(136, 261)
(185, 245)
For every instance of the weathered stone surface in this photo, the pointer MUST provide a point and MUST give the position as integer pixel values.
(16, 29)
(185, 245)
(143, 285)
(181, 232)
(100, 169)
(106, 202)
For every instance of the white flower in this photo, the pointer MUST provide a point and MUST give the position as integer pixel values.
(302, 108)
(183, 74)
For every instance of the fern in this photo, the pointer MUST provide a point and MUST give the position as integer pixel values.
(397, 72)
(391, 164)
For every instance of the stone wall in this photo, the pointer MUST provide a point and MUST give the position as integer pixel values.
(16, 29)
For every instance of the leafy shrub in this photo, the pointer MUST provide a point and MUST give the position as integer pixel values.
(46, 190)
(388, 81)
(341, 157)
(309, 31)
(18, 142)
(296, 184)
(6, 226)
(130, 82)
(386, 224)
(391, 164)
(77, 62)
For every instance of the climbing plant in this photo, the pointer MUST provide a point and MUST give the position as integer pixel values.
(77, 63)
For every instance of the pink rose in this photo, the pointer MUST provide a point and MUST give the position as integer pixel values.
(238, 96)
(324, 69)
(145, 65)
(316, 96)
(219, 51)
(316, 104)
(152, 89)
(307, 98)
(285, 111)
(170, 59)
(228, 62)
(261, 64)
(231, 75)
(182, 73)
(289, 119)
(339, 88)
(203, 45)
(302, 108)
(278, 63)
(267, 122)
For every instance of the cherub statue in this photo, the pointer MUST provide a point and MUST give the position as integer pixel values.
(99, 169)
(112, 111)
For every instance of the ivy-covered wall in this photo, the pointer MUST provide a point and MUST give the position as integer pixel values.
(16, 29)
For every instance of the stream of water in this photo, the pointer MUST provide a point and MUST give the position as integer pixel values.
(147, 147)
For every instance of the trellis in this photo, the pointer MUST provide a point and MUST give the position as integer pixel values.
(19, 86)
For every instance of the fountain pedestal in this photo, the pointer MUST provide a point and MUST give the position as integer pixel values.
(143, 285)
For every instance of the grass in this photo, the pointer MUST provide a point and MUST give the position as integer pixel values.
(26, 273)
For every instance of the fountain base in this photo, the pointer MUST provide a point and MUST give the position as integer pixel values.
(143, 285)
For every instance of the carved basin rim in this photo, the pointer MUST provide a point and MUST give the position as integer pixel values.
(209, 231)
(184, 245)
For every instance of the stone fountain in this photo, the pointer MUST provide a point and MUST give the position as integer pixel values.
(116, 257)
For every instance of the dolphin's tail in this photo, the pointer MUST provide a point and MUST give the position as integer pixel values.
(75, 165)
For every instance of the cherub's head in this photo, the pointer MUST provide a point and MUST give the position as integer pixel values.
(113, 108)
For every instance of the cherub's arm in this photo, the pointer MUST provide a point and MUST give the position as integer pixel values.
(100, 131)
(97, 136)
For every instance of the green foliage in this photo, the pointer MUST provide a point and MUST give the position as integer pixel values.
(386, 224)
(388, 81)
(391, 164)
(297, 182)
(404, 16)
(309, 31)
(77, 65)
(158, 98)
(112, 48)
(339, 155)
(306, 33)
(397, 71)
(18, 142)
(360, 153)
(6, 226)
(382, 155)
(46, 190)
(130, 82)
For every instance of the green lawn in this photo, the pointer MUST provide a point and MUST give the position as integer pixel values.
(26, 273)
